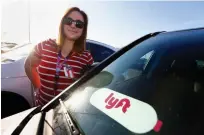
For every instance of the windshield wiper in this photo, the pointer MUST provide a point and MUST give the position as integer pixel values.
(72, 126)
(23, 123)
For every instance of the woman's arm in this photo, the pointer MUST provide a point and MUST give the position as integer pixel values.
(30, 65)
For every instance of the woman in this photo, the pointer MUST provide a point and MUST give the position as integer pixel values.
(59, 63)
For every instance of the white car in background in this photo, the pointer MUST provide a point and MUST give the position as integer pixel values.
(16, 89)
(6, 46)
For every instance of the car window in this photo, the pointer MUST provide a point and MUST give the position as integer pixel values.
(99, 52)
(200, 64)
(130, 97)
(136, 68)
(181, 88)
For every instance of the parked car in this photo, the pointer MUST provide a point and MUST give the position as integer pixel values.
(153, 86)
(16, 87)
(6, 46)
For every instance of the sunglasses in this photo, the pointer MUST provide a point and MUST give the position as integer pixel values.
(69, 21)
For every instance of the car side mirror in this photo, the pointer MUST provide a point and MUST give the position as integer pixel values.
(95, 64)
(88, 67)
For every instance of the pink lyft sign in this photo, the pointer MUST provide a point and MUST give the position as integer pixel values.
(133, 114)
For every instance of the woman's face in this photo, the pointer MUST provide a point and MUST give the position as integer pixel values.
(73, 25)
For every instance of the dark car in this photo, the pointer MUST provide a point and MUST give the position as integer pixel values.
(153, 86)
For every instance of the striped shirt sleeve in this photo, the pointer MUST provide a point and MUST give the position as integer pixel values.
(38, 51)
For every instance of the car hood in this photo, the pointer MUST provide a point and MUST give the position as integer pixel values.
(16, 53)
(9, 124)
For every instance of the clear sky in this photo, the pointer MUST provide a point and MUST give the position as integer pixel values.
(115, 23)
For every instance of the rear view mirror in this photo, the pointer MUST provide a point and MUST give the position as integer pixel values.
(103, 79)
(95, 64)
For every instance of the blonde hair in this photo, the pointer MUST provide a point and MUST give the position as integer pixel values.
(79, 44)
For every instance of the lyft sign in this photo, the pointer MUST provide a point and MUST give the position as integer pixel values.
(135, 115)
(116, 103)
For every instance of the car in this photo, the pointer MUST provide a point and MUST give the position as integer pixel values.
(6, 46)
(15, 85)
(154, 85)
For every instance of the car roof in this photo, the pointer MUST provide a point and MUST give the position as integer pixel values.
(184, 30)
(196, 33)
(102, 44)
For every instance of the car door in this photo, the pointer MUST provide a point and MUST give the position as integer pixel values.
(99, 52)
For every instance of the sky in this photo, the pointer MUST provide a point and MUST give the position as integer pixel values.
(116, 23)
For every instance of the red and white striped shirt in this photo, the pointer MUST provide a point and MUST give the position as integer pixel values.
(47, 69)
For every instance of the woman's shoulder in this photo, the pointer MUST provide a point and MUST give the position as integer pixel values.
(86, 52)
(49, 44)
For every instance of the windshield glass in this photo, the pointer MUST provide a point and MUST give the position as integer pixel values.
(121, 99)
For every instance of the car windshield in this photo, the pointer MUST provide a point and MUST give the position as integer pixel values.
(121, 99)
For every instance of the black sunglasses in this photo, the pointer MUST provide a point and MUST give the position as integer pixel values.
(69, 21)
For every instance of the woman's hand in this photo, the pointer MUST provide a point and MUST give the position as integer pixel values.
(30, 66)
(36, 96)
